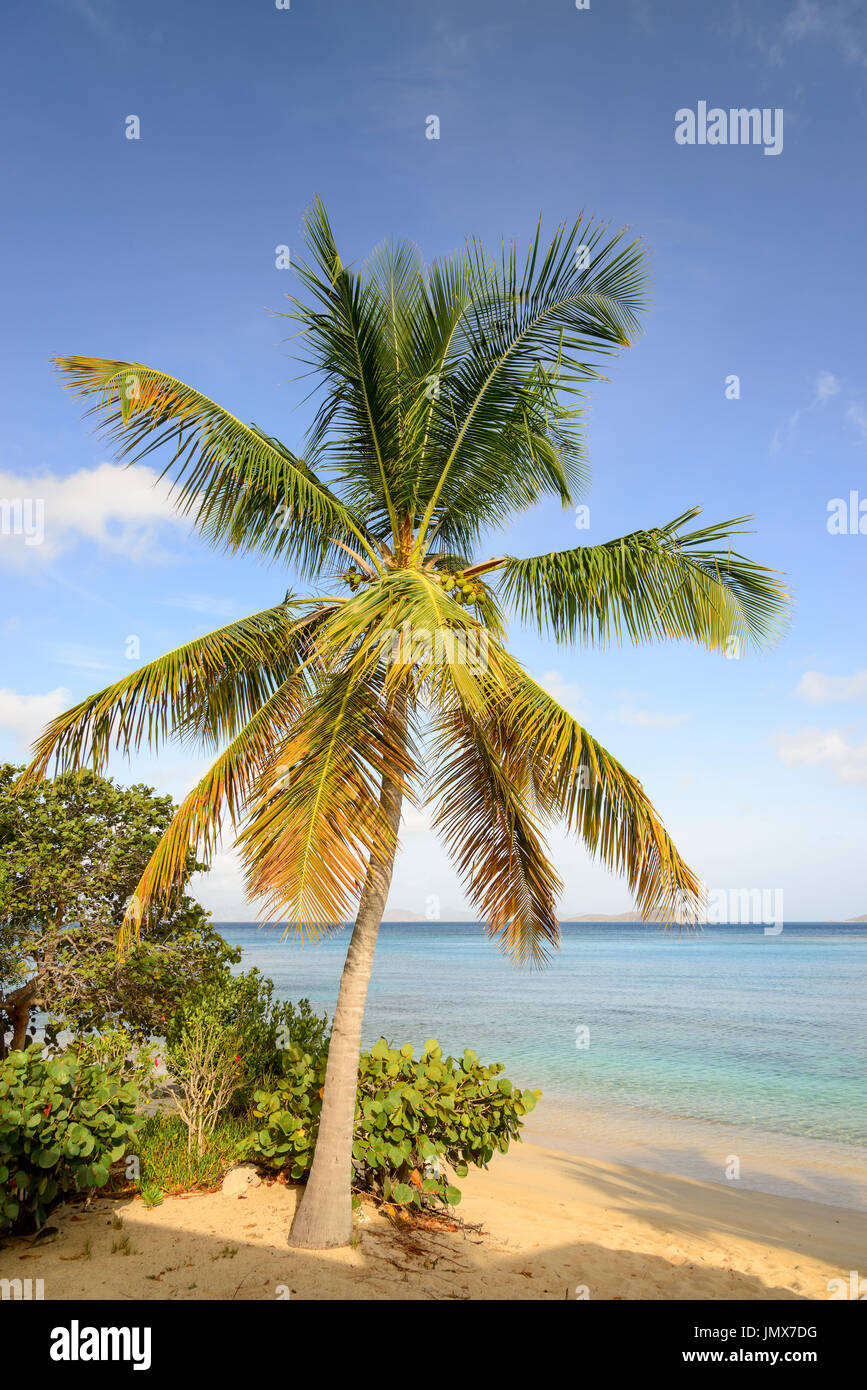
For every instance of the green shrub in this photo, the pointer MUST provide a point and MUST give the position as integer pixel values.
(242, 1010)
(63, 1122)
(410, 1117)
(117, 1051)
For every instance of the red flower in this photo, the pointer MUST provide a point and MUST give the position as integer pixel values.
(47, 1110)
(156, 1061)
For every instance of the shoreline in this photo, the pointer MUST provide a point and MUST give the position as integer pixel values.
(772, 1163)
(555, 1226)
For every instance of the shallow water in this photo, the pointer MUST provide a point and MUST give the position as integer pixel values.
(728, 1026)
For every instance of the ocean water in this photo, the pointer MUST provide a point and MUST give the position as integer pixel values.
(726, 1026)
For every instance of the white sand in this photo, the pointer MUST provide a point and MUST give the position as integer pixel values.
(553, 1222)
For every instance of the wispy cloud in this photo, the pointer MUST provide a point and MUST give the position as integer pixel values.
(211, 605)
(858, 416)
(825, 748)
(844, 25)
(100, 16)
(566, 694)
(644, 719)
(819, 689)
(826, 386)
(84, 658)
(841, 25)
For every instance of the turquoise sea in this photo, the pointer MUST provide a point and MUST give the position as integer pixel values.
(727, 1026)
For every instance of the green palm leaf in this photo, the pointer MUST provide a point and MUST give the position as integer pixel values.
(219, 681)
(221, 469)
(651, 585)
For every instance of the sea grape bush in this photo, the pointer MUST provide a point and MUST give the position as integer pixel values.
(116, 1051)
(63, 1122)
(411, 1117)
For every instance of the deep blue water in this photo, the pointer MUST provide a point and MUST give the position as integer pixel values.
(726, 1025)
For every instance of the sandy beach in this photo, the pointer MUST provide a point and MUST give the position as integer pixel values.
(554, 1225)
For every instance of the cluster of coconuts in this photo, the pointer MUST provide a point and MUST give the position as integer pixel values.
(462, 590)
(354, 578)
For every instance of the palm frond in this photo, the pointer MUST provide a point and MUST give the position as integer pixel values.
(350, 345)
(664, 583)
(406, 626)
(494, 839)
(318, 817)
(221, 468)
(571, 778)
(534, 331)
(219, 680)
(225, 790)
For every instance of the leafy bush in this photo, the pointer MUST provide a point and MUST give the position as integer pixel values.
(242, 1010)
(410, 1117)
(63, 1122)
(117, 1051)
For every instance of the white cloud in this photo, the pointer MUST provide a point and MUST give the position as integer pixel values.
(415, 821)
(858, 415)
(84, 658)
(642, 719)
(25, 716)
(810, 19)
(221, 889)
(119, 509)
(818, 747)
(819, 689)
(827, 385)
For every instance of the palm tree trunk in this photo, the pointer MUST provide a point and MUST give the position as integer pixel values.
(324, 1216)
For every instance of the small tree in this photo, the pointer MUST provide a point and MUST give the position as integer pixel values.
(205, 1064)
(71, 854)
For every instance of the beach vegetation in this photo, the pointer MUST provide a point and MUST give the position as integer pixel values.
(419, 1122)
(63, 1122)
(169, 1165)
(227, 1038)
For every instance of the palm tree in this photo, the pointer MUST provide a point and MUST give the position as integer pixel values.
(450, 401)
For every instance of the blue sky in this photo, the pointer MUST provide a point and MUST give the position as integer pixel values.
(162, 250)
